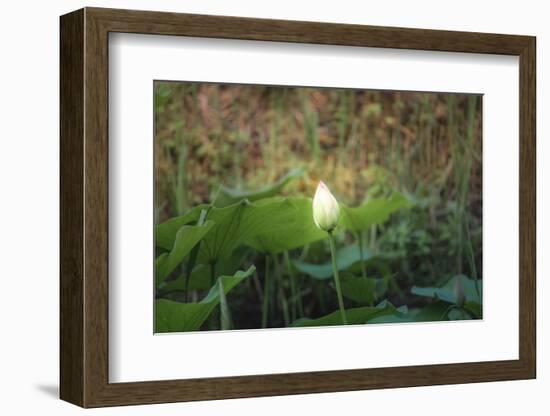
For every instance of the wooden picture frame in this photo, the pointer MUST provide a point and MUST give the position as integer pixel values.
(84, 207)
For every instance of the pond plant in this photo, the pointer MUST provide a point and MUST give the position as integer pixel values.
(241, 244)
(326, 214)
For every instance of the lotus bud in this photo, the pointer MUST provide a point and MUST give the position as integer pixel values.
(459, 291)
(326, 211)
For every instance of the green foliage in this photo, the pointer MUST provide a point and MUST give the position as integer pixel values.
(297, 230)
(172, 316)
(363, 290)
(346, 257)
(474, 308)
(186, 238)
(165, 233)
(424, 243)
(447, 292)
(230, 196)
(355, 316)
(436, 311)
(162, 96)
(234, 225)
(405, 168)
(200, 277)
(311, 130)
(375, 211)
(446, 297)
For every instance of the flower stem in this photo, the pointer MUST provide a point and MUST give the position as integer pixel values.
(265, 305)
(337, 278)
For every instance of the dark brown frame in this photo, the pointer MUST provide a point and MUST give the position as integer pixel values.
(84, 207)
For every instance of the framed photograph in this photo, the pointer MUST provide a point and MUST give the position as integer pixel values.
(255, 207)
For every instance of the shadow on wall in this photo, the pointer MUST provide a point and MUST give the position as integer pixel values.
(48, 389)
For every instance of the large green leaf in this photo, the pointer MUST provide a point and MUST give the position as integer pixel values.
(186, 238)
(201, 275)
(230, 196)
(354, 316)
(165, 233)
(238, 223)
(447, 292)
(375, 211)
(458, 314)
(296, 231)
(159, 261)
(234, 225)
(473, 308)
(392, 319)
(345, 258)
(171, 316)
(446, 299)
(435, 311)
(362, 290)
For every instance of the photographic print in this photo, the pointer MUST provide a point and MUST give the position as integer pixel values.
(292, 207)
(289, 208)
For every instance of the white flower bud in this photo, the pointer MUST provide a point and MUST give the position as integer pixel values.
(326, 211)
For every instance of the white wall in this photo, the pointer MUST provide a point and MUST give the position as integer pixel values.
(29, 205)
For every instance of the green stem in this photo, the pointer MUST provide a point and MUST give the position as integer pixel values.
(281, 290)
(296, 297)
(447, 311)
(472, 262)
(212, 320)
(187, 277)
(193, 255)
(225, 316)
(373, 237)
(337, 278)
(361, 257)
(284, 305)
(212, 273)
(303, 254)
(265, 305)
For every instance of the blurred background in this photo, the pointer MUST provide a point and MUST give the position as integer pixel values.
(364, 144)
